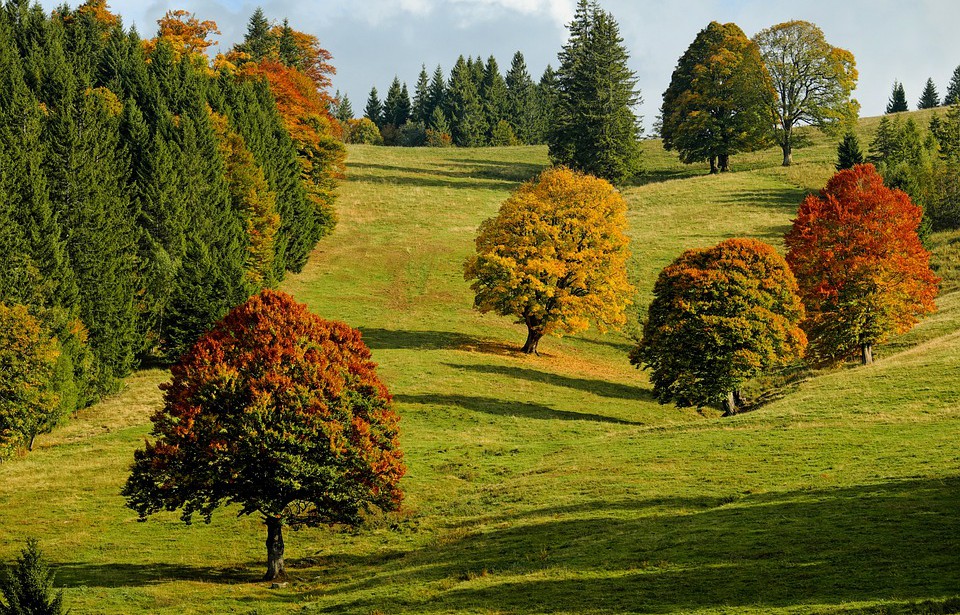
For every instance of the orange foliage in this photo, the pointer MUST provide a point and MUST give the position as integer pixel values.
(186, 34)
(99, 10)
(862, 270)
(314, 59)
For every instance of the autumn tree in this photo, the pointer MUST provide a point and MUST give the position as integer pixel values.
(554, 257)
(187, 35)
(898, 99)
(280, 412)
(719, 317)
(719, 98)
(594, 128)
(862, 271)
(929, 98)
(813, 80)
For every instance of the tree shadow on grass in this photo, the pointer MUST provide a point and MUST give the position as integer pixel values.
(464, 173)
(389, 339)
(81, 574)
(813, 549)
(787, 199)
(499, 407)
(602, 388)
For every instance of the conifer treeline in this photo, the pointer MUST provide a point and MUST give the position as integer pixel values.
(476, 106)
(143, 192)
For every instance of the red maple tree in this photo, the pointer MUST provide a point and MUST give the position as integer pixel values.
(862, 271)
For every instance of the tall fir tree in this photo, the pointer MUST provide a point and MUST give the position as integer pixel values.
(374, 109)
(287, 48)
(420, 109)
(953, 89)
(466, 112)
(493, 96)
(849, 153)
(259, 41)
(521, 108)
(548, 93)
(396, 107)
(930, 98)
(344, 109)
(437, 96)
(596, 130)
(898, 99)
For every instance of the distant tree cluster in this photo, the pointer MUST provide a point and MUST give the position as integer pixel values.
(145, 192)
(929, 98)
(475, 106)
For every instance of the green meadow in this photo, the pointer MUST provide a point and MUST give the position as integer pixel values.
(557, 483)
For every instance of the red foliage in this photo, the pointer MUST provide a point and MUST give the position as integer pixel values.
(861, 268)
(277, 410)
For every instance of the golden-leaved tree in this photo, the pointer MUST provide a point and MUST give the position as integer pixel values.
(555, 257)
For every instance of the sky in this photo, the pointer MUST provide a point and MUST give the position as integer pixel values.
(373, 40)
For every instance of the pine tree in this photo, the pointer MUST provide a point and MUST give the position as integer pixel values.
(288, 49)
(420, 111)
(396, 108)
(521, 100)
(466, 112)
(930, 98)
(437, 97)
(439, 123)
(27, 588)
(493, 96)
(259, 41)
(596, 130)
(374, 109)
(849, 153)
(547, 95)
(887, 144)
(953, 89)
(344, 109)
(898, 99)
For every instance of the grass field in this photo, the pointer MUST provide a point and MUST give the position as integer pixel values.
(554, 483)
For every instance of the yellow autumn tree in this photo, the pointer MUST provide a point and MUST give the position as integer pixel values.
(555, 257)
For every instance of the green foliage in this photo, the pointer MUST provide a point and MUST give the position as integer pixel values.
(953, 89)
(719, 317)
(929, 99)
(27, 588)
(396, 108)
(493, 93)
(502, 134)
(344, 108)
(849, 153)
(374, 109)
(594, 129)
(412, 134)
(898, 99)
(719, 98)
(421, 109)
(259, 41)
(466, 111)
(363, 131)
(521, 104)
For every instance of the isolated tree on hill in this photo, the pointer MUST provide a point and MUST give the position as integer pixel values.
(595, 129)
(953, 89)
(862, 271)
(280, 412)
(849, 153)
(420, 108)
(719, 99)
(466, 111)
(898, 99)
(719, 317)
(374, 109)
(812, 79)
(27, 587)
(929, 99)
(521, 107)
(554, 257)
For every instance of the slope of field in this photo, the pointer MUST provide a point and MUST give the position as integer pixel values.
(554, 483)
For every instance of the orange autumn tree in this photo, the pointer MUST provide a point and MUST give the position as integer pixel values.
(719, 317)
(280, 412)
(862, 271)
(555, 257)
(187, 36)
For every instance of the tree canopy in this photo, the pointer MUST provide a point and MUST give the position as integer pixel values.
(554, 257)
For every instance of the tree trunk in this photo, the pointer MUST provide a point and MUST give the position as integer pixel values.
(713, 165)
(275, 568)
(787, 153)
(533, 339)
(738, 399)
(730, 406)
(33, 438)
(724, 163)
(866, 354)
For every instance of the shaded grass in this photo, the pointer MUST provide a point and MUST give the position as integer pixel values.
(554, 483)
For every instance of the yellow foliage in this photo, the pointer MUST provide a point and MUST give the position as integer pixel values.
(555, 256)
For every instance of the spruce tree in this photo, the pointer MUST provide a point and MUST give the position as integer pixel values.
(344, 109)
(259, 41)
(438, 122)
(466, 112)
(27, 587)
(953, 89)
(396, 108)
(287, 47)
(898, 99)
(888, 142)
(437, 96)
(596, 130)
(420, 110)
(547, 95)
(493, 96)
(374, 109)
(930, 98)
(521, 109)
(848, 152)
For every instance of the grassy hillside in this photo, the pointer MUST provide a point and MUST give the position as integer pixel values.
(552, 483)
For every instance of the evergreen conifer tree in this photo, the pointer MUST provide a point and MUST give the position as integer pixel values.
(888, 142)
(259, 41)
(953, 89)
(898, 99)
(596, 130)
(27, 588)
(848, 152)
(493, 96)
(344, 109)
(437, 96)
(374, 109)
(420, 110)
(287, 47)
(521, 107)
(930, 98)
(396, 108)
(547, 95)
(466, 112)
(439, 123)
